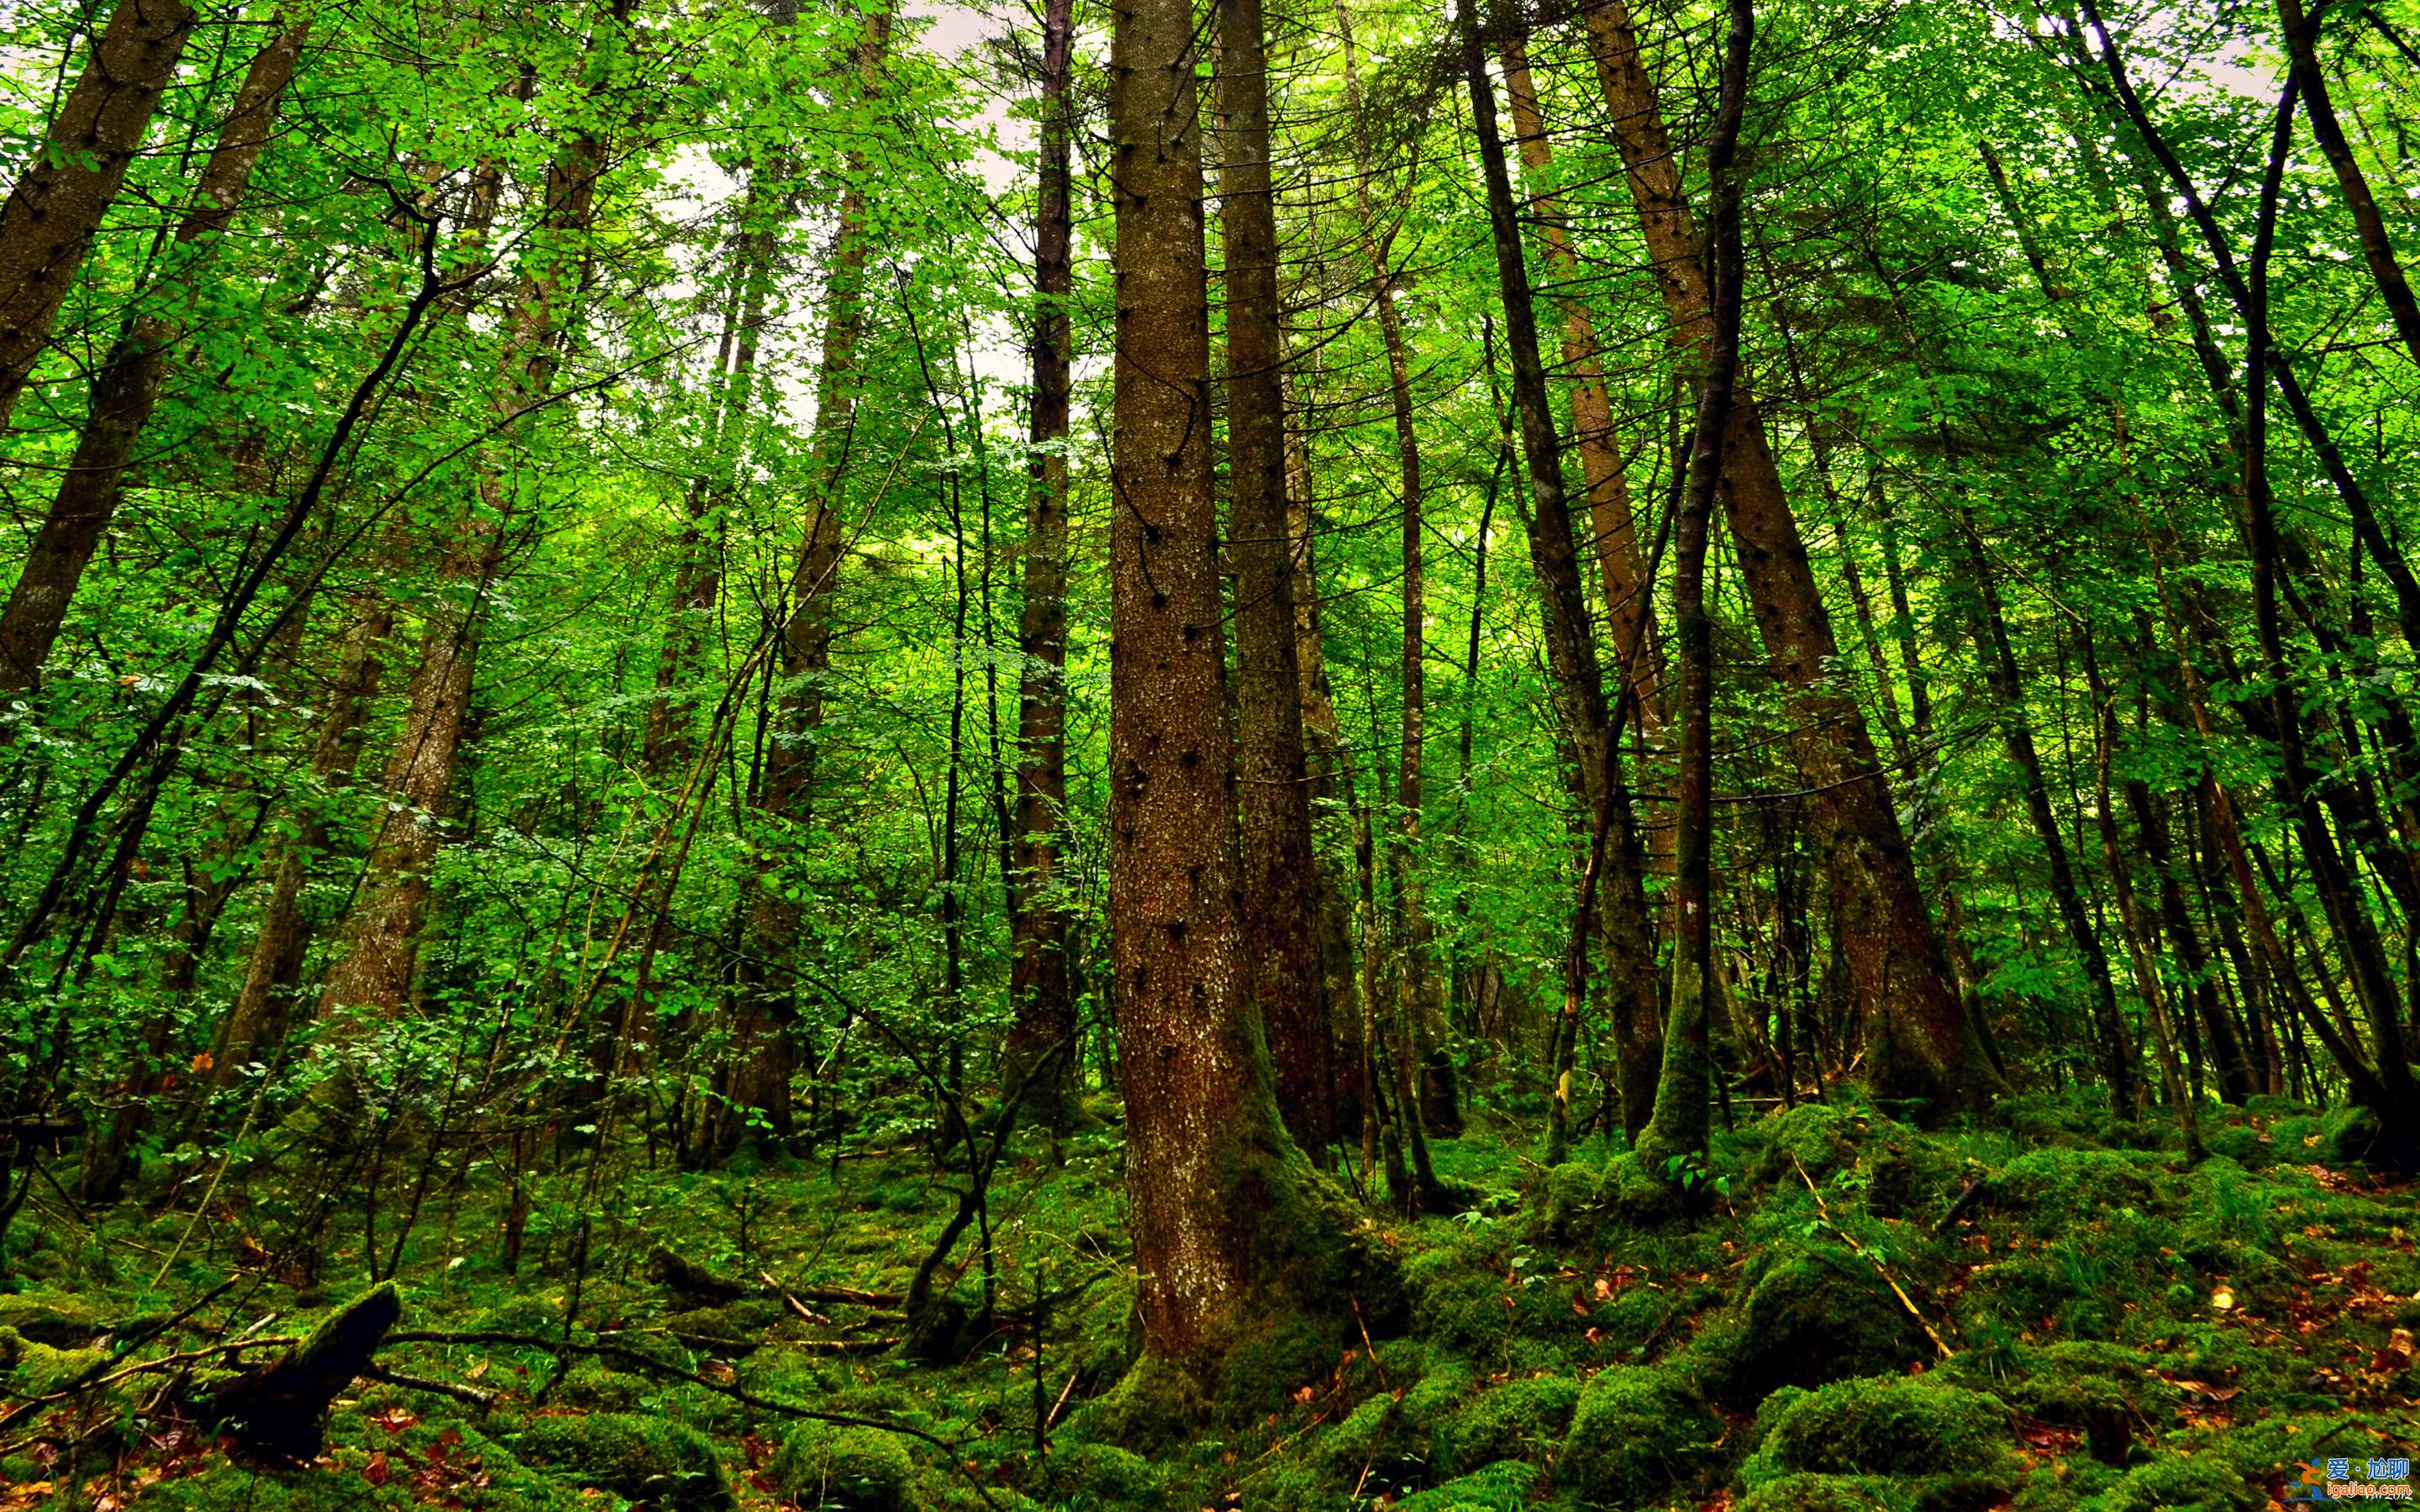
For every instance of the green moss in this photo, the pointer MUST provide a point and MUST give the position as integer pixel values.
(2178, 1482)
(2063, 1184)
(844, 1468)
(590, 1385)
(1105, 1473)
(1635, 1430)
(61, 1322)
(1885, 1426)
(39, 1370)
(1815, 1312)
(1507, 1486)
(645, 1458)
(1828, 1493)
(1518, 1420)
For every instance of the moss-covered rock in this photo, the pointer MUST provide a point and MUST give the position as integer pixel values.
(1518, 1420)
(2178, 1482)
(2060, 1183)
(1506, 1486)
(1830, 1493)
(63, 1322)
(1635, 1431)
(37, 1369)
(1108, 1475)
(844, 1468)
(647, 1459)
(1815, 1312)
(590, 1385)
(1883, 1426)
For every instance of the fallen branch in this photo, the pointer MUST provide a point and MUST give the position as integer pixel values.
(1879, 1269)
(472, 1394)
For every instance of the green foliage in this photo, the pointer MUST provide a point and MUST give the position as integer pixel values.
(844, 1468)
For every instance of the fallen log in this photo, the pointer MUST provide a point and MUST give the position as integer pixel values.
(279, 1411)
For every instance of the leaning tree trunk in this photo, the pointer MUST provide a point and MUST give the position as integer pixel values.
(1630, 612)
(1230, 1241)
(255, 1027)
(1922, 1043)
(2394, 289)
(1271, 777)
(378, 952)
(48, 221)
(125, 390)
(1616, 861)
(1041, 1053)
(752, 1085)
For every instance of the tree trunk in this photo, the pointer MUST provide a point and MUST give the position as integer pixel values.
(1272, 781)
(1571, 651)
(752, 1085)
(1922, 1043)
(2017, 737)
(47, 223)
(378, 952)
(1041, 1059)
(1228, 1235)
(125, 390)
(1630, 612)
(256, 1025)
(1329, 768)
(2192, 962)
(2302, 47)
(1677, 1133)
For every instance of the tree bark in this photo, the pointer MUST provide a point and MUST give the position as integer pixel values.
(126, 388)
(377, 951)
(2017, 737)
(47, 223)
(1272, 781)
(1224, 1232)
(1041, 1061)
(1923, 1045)
(1679, 1131)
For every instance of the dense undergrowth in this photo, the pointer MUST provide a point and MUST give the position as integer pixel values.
(2096, 1325)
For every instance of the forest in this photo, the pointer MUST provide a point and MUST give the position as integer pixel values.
(1265, 754)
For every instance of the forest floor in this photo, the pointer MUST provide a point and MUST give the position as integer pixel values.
(2039, 1316)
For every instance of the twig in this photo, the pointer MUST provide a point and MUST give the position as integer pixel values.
(472, 1394)
(1879, 1269)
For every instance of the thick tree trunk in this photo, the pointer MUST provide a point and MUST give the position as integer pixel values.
(1041, 1058)
(1272, 781)
(1922, 1043)
(1616, 862)
(48, 221)
(1229, 1237)
(126, 388)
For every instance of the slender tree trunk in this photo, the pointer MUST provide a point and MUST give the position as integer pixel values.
(2394, 290)
(1225, 1234)
(1279, 914)
(2141, 938)
(1580, 700)
(752, 1085)
(256, 1025)
(1922, 1043)
(2192, 962)
(1329, 770)
(1630, 612)
(1041, 1057)
(2017, 737)
(47, 223)
(377, 951)
(126, 388)
(1677, 1132)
